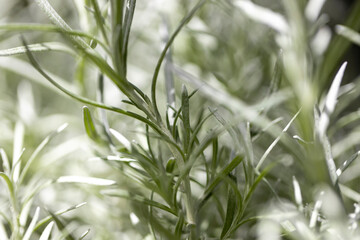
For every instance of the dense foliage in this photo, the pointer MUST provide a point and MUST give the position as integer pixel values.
(204, 120)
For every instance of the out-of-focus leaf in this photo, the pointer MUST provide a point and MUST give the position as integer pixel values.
(3, 233)
(86, 180)
(17, 150)
(330, 102)
(263, 15)
(347, 163)
(50, 218)
(123, 140)
(5, 162)
(46, 233)
(297, 194)
(84, 234)
(38, 47)
(137, 198)
(348, 33)
(37, 151)
(313, 8)
(31, 227)
(61, 227)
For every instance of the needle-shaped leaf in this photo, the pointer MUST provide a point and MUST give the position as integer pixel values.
(348, 33)
(86, 180)
(121, 138)
(10, 187)
(3, 233)
(50, 218)
(45, 235)
(330, 101)
(273, 144)
(89, 125)
(84, 234)
(61, 226)
(350, 193)
(219, 177)
(338, 46)
(38, 47)
(138, 198)
(230, 212)
(17, 150)
(5, 162)
(86, 100)
(179, 226)
(297, 194)
(263, 15)
(31, 227)
(38, 150)
(129, 14)
(100, 22)
(347, 163)
(185, 116)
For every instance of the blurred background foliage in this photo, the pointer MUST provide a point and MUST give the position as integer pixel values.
(220, 45)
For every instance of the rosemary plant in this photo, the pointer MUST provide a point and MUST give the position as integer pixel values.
(233, 131)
